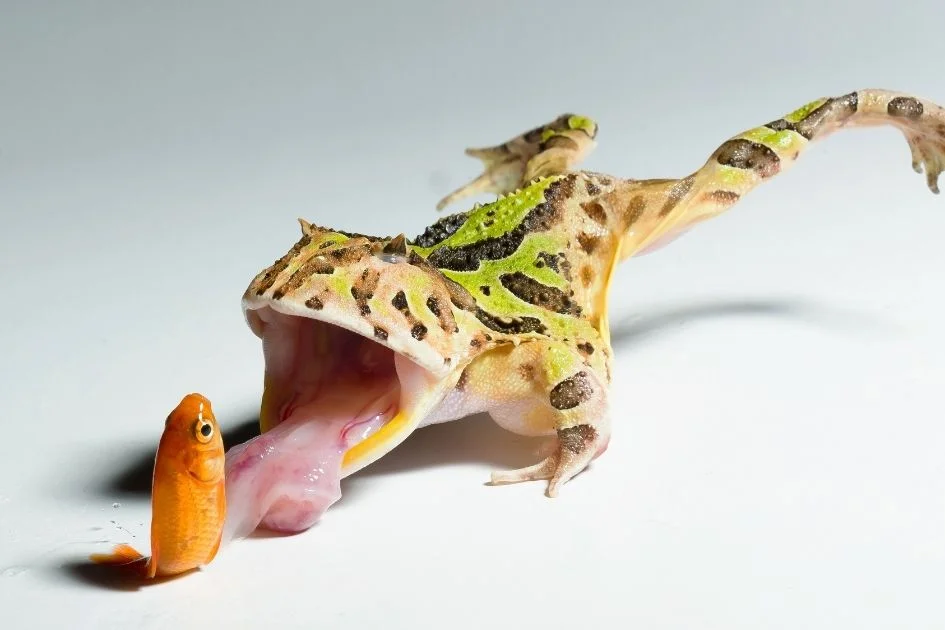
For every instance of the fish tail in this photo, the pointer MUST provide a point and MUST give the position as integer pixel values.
(120, 555)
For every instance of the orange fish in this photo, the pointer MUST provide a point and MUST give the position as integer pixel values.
(188, 503)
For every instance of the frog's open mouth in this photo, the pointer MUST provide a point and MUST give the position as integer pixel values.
(332, 400)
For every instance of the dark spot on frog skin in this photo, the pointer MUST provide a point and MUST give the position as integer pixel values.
(905, 107)
(380, 333)
(363, 290)
(745, 154)
(634, 210)
(544, 258)
(418, 332)
(510, 326)
(314, 303)
(838, 108)
(351, 252)
(724, 197)
(586, 348)
(588, 242)
(534, 292)
(595, 211)
(676, 194)
(485, 290)
(400, 302)
(576, 439)
(463, 380)
(592, 188)
(571, 392)
(443, 316)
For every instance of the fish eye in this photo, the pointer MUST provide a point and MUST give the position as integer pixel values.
(203, 430)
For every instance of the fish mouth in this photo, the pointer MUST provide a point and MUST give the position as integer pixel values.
(335, 400)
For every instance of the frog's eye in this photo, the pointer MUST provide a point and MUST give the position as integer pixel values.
(203, 431)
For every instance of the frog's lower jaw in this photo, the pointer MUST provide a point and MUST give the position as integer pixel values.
(334, 402)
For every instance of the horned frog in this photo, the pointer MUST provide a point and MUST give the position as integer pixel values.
(501, 308)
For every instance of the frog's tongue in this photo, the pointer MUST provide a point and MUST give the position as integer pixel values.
(327, 389)
(285, 479)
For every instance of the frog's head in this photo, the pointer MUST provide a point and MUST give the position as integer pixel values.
(361, 338)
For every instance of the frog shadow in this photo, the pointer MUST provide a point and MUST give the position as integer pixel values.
(478, 439)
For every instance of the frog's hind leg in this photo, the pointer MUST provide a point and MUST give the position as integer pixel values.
(550, 149)
(654, 212)
(547, 390)
(575, 447)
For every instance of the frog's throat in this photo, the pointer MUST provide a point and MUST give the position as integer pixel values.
(322, 367)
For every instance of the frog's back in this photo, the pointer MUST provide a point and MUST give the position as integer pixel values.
(539, 257)
(535, 263)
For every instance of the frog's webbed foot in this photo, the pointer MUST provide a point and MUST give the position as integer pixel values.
(928, 155)
(502, 174)
(550, 149)
(575, 447)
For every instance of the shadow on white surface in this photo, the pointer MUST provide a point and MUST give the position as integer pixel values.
(634, 329)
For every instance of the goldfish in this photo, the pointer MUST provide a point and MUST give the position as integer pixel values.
(188, 499)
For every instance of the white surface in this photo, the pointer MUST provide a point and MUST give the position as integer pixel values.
(777, 457)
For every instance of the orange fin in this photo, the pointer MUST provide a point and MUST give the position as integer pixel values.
(120, 555)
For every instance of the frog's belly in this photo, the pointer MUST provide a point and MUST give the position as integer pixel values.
(519, 415)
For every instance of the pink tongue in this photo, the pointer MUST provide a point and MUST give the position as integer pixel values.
(285, 479)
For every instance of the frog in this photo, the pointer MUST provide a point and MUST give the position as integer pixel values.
(501, 308)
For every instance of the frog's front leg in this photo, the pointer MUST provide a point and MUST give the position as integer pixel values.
(545, 388)
(550, 149)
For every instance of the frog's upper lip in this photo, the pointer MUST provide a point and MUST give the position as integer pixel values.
(417, 351)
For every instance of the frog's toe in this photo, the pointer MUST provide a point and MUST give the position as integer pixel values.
(542, 470)
(575, 448)
(928, 155)
(499, 178)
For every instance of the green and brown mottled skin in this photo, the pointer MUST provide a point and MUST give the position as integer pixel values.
(505, 305)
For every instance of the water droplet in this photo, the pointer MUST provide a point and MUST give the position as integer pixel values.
(116, 504)
(393, 259)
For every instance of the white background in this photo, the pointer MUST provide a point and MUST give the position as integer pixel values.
(777, 453)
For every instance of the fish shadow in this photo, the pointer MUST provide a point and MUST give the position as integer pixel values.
(477, 439)
(115, 578)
